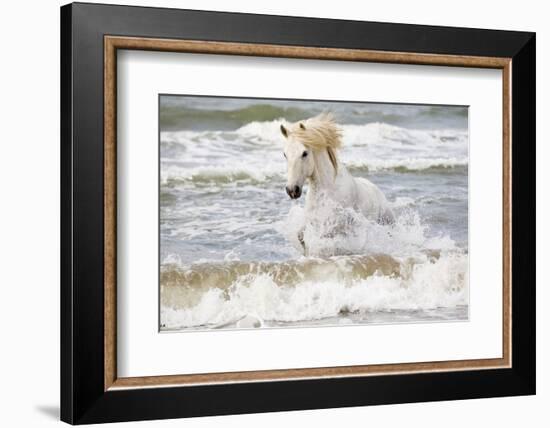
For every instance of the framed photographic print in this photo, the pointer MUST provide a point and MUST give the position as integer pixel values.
(264, 213)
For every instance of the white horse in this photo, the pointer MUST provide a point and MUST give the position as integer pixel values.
(311, 152)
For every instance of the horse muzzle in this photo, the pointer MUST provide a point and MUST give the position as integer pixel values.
(294, 191)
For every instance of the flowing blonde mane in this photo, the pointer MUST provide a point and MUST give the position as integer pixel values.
(320, 132)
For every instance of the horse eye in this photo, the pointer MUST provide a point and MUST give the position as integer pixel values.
(284, 154)
(304, 154)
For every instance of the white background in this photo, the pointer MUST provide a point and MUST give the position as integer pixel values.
(29, 219)
(142, 351)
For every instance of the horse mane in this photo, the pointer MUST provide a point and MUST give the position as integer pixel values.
(321, 132)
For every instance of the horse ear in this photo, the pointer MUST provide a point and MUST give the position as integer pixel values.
(284, 131)
(302, 126)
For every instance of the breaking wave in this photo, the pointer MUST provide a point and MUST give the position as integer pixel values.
(252, 153)
(256, 294)
(376, 268)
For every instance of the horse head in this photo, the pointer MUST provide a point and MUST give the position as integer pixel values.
(303, 140)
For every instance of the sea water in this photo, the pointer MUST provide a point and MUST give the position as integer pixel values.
(229, 252)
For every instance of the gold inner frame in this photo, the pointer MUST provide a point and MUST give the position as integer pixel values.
(113, 43)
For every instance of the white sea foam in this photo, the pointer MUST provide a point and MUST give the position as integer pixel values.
(431, 284)
(363, 134)
(409, 164)
(353, 135)
(253, 152)
(248, 172)
(332, 230)
(219, 173)
(333, 286)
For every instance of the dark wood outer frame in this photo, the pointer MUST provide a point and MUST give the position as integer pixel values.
(89, 390)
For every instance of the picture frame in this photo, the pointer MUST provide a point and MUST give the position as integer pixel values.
(91, 390)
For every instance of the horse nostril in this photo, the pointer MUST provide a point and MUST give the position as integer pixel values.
(293, 192)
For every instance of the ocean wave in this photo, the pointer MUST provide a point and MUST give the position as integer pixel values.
(206, 275)
(362, 266)
(309, 290)
(410, 165)
(269, 131)
(253, 152)
(369, 133)
(386, 133)
(218, 174)
(227, 174)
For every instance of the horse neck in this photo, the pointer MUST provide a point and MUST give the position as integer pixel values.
(324, 175)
